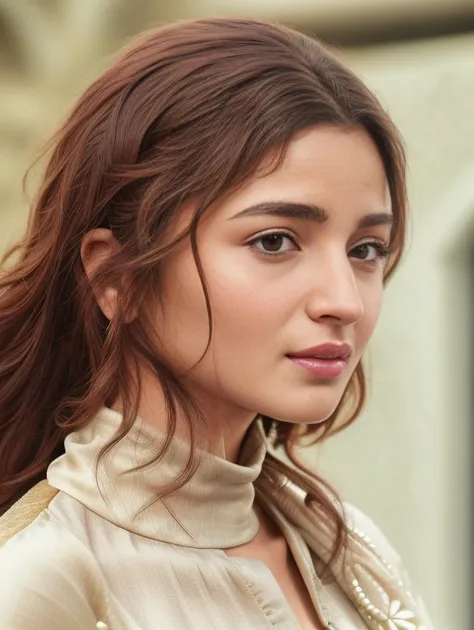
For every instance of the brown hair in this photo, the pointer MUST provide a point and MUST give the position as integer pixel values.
(187, 112)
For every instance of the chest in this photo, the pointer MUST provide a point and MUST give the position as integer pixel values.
(274, 554)
(159, 585)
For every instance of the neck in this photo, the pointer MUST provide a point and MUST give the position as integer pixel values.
(141, 491)
(224, 425)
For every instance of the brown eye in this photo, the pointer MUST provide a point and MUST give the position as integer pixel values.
(369, 252)
(274, 243)
(364, 252)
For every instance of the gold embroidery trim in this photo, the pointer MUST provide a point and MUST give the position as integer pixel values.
(25, 510)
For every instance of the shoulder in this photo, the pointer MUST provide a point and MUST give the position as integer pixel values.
(25, 510)
(48, 579)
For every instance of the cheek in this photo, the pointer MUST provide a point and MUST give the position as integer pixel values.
(246, 306)
(243, 315)
(181, 318)
(240, 317)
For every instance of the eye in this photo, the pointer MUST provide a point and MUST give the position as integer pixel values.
(371, 252)
(273, 243)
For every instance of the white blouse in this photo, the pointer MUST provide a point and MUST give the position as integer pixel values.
(103, 552)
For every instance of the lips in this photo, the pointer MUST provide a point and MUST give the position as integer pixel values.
(325, 351)
(326, 361)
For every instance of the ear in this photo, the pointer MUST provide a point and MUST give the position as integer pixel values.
(97, 246)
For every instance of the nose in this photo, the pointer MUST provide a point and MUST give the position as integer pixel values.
(335, 293)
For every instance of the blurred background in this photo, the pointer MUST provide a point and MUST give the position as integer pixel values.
(406, 462)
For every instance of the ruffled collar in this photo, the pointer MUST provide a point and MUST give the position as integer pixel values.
(214, 509)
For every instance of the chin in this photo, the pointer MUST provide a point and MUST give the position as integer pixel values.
(302, 411)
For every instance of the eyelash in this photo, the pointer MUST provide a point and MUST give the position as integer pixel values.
(382, 250)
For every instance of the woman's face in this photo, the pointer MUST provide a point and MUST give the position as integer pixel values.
(292, 261)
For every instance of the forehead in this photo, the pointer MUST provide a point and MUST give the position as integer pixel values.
(337, 169)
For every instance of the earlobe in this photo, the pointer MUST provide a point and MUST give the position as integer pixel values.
(98, 246)
(107, 302)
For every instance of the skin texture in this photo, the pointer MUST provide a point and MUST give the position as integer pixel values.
(322, 286)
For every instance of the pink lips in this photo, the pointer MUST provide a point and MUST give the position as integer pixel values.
(327, 360)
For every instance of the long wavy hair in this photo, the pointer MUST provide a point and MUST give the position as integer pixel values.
(186, 113)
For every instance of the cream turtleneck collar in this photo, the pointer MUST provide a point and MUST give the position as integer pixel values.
(212, 510)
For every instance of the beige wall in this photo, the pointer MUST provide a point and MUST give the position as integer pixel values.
(405, 461)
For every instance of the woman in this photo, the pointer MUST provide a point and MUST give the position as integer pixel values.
(203, 269)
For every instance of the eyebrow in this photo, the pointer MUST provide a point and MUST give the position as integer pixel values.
(308, 212)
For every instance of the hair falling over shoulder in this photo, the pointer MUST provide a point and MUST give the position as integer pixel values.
(186, 112)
